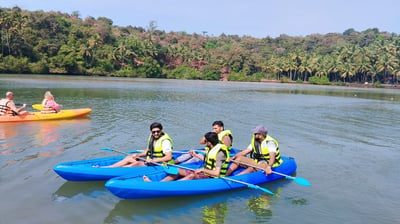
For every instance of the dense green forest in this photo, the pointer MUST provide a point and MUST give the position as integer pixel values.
(37, 42)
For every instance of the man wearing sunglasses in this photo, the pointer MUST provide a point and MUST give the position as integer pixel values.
(159, 149)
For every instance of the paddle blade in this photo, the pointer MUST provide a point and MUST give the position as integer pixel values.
(107, 149)
(302, 181)
(170, 169)
(260, 188)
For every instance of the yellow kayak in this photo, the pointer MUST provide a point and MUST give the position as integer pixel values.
(38, 116)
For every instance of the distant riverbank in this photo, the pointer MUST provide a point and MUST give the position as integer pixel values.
(354, 85)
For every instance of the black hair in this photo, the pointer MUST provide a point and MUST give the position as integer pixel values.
(219, 123)
(156, 125)
(212, 137)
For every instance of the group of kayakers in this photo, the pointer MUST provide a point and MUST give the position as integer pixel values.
(8, 108)
(263, 150)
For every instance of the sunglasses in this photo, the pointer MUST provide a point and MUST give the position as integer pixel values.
(154, 132)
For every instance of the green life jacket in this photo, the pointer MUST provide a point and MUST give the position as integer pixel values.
(222, 135)
(211, 158)
(155, 148)
(260, 154)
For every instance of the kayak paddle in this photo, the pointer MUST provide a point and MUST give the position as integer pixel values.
(233, 180)
(298, 180)
(168, 169)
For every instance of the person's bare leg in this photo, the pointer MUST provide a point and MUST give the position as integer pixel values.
(248, 170)
(135, 163)
(170, 178)
(147, 179)
(231, 168)
(181, 172)
(124, 162)
(188, 177)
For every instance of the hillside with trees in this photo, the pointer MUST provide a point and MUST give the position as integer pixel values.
(37, 42)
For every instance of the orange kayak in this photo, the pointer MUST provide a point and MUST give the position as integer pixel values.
(38, 116)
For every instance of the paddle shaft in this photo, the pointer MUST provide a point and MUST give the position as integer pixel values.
(21, 104)
(233, 180)
(139, 158)
(298, 180)
(260, 168)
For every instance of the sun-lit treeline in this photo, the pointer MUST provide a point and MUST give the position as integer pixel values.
(37, 42)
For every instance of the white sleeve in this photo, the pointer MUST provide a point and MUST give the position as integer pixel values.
(166, 146)
(270, 145)
(250, 147)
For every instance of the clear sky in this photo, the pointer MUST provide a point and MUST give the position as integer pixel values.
(257, 18)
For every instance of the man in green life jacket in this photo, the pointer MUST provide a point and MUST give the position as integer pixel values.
(159, 149)
(224, 136)
(264, 153)
(216, 162)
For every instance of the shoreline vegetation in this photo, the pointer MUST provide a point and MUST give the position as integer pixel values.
(353, 85)
(37, 42)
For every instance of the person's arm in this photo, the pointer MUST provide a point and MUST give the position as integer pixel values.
(197, 155)
(243, 152)
(167, 150)
(203, 141)
(227, 141)
(214, 173)
(166, 158)
(54, 105)
(12, 106)
(142, 154)
(271, 159)
(272, 152)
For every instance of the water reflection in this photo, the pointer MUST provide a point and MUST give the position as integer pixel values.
(377, 94)
(210, 208)
(260, 206)
(215, 213)
(47, 132)
(30, 140)
(7, 134)
(75, 190)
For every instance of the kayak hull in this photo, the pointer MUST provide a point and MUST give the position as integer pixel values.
(133, 187)
(38, 116)
(95, 169)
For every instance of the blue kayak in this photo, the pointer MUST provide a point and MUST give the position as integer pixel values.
(133, 186)
(95, 170)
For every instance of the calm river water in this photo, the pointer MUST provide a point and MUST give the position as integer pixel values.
(345, 141)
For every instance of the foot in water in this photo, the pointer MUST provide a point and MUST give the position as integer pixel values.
(145, 178)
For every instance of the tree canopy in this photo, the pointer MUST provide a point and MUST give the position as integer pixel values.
(38, 42)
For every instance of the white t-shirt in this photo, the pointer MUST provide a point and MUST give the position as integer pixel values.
(270, 145)
(166, 146)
